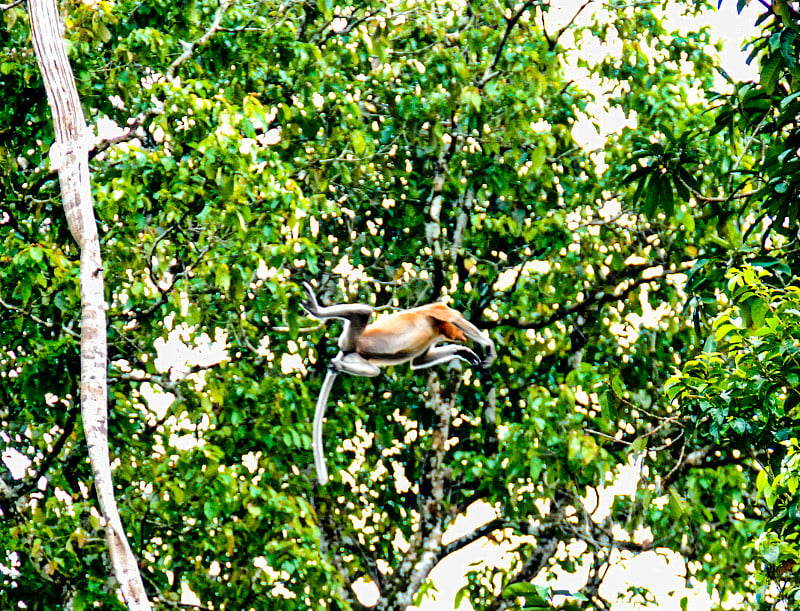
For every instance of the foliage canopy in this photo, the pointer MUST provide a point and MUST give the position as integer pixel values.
(399, 153)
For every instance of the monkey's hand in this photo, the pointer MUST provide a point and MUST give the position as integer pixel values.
(310, 305)
(471, 358)
(489, 355)
(487, 362)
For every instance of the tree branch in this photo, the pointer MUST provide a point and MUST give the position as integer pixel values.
(130, 134)
(598, 299)
(12, 222)
(44, 466)
(69, 155)
(329, 539)
(462, 542)
(546, 547)
(433, 229)
(349, 28)
(712, 200)
(36, 319)
(511, 22)
(563, 29)
(592, 587)
(693, 460)
(189, 48)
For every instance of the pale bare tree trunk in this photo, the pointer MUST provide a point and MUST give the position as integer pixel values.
(69, 155)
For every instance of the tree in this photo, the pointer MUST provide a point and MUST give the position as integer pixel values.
(69, 155)
(398, 153)
(741, 393)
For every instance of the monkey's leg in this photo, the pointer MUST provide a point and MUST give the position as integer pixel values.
(354, 364)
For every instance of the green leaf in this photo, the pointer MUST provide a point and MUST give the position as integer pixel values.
(471, 96)
(326, 8)
(538, 157)
(771, 553)
(682, 188)
(78, 602)
(617, 386)
(10, 18)
(788, 37)
(781, 7)
(102, 32)
(640, 188)
(666, 196)
(678, 506)
(770, 70)
(724, 119)
(222, 277)
(659, 196)
(758, 310)
(668, 133)
(178, 494)
(739, 426)
(211, 509)
(359, 143)
(535, 468)
(721, 331)
(686, 218)
(636, 175)
(533, 594)
(689, 179)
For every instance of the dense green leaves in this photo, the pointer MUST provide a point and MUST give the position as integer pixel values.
(742, 396)
(397, 154)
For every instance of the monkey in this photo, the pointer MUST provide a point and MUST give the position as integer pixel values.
(408, 336)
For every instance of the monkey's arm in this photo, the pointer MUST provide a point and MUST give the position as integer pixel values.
(450, 316)
(316, 438)
(443, 354)
(355, 315)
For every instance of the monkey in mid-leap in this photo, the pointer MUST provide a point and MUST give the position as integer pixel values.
(405, 336)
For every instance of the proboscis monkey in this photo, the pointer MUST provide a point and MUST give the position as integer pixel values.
(406, 336)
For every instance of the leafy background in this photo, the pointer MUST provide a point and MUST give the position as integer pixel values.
(642, 298)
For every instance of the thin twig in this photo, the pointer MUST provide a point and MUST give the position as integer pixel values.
(710, 200)
(6, 7)
(598, 299)
(36, 319)
(189, 48)
(571, 21)
(511, 22)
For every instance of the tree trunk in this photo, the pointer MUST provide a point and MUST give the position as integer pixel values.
(69, 155)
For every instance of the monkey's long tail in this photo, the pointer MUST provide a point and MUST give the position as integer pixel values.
(319, 414)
